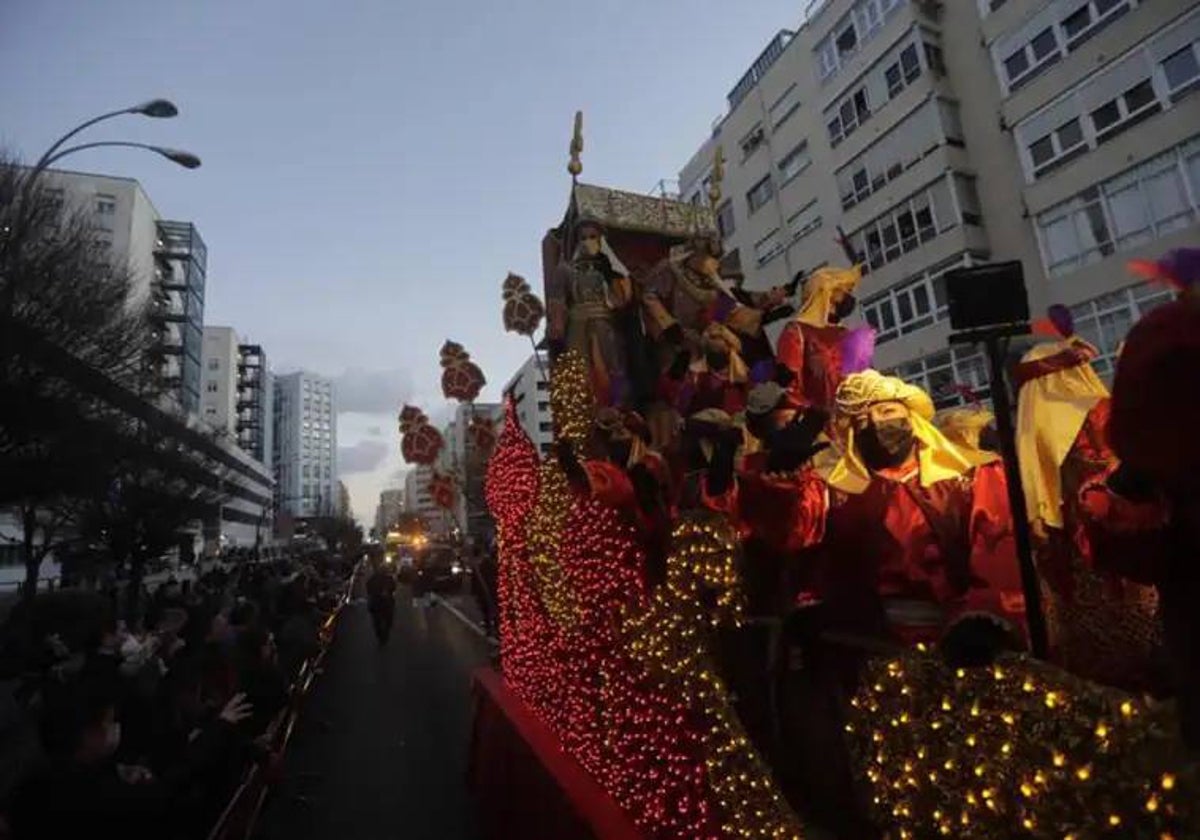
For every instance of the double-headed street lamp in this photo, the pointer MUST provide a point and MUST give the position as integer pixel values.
(158, 108)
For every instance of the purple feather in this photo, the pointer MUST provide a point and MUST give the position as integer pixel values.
(763, 371)
(858, 350)
(1062, 319)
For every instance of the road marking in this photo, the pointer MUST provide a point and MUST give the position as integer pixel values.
(461, 616)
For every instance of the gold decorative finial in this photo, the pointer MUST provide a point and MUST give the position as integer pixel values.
(576, 165)
(718, 175)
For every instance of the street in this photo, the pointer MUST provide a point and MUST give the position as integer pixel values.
(381, 748)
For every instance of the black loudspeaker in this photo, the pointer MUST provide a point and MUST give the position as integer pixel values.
(984, 296)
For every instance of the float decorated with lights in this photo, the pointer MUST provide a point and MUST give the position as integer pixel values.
(622, 620)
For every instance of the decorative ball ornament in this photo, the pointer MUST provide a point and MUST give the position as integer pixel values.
(462, 379)
(523, 310)
(442, 489)
(420, 443)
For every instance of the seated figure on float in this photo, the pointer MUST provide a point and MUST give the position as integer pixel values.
(1100, 627)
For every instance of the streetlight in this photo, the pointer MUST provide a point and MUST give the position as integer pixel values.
(185, 159)
(157, 108)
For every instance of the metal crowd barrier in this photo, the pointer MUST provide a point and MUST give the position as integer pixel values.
(240, 816)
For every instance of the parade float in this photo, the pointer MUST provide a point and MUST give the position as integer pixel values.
(617, 710)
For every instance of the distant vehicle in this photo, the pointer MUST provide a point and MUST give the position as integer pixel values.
(439, 568)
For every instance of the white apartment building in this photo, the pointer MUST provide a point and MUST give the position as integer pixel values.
(218, 399)
(460, 459)
(166, 259)
(387, 512)
(418, 500)
(530, 392)
(305, 418)
(237, 395)
(1062, 133)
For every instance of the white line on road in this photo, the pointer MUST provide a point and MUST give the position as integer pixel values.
(461, 616)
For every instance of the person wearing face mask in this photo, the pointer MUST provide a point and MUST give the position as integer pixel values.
(810, 346)
(716, 378)
(907, 536)
(591, 309)
(1101, 628)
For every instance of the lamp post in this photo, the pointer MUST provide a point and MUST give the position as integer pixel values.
(157, 108)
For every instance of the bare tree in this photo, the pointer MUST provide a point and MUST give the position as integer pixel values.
(59, 287)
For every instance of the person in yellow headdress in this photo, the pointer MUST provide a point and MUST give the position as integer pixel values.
(810, 346)
(968, 427)
(1100, 628)
(912, 533)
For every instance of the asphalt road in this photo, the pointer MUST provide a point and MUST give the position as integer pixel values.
(381, 749)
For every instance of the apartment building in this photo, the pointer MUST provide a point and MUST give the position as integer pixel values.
(929, 132)
(305, 417)
(167, 261)
(530, 392)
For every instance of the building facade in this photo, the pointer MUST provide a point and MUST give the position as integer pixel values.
(418, 500)
(530, 392)
(1061, 133)
(389, 510)
(463, 460)
(305, 419)
(219, 381)
(255, 403)
(167, 261)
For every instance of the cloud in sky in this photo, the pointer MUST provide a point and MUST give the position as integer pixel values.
(373, 391)
(362, 456)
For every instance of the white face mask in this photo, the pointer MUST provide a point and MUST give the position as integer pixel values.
(113, 740)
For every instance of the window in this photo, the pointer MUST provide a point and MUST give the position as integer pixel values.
(760, 194)
(751, 142)
(542, 385)
(892, 76)
(918, 219)
(941, 374)
(1061, 146)
(794, 162)
(1104, 321)
(846, 41)
(1182, 71)
(784, 107)
(934, 59)
(1091, 18)
(543, 406)
(214, 364)
(852, 113)
(1126, 111)
(210, 387)
(768, 247)
(210, 411)
(910, 63)
(1126, 211)
(106, 205)
(1028, 61)
(805, 220)
(858, 26)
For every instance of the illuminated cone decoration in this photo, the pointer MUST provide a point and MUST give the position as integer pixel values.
(420, 443)
(462, 379)
(441, 489)
(523, 310)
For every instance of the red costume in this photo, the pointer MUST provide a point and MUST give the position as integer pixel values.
(910, 550)
(810, 346)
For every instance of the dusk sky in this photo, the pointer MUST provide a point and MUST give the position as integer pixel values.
(372, 170)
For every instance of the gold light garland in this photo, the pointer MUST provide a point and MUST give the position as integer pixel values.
(571, 400)
(1018, 749)
(543, 534)
(671, 640)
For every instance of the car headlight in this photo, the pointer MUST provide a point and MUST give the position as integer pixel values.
(456, 568)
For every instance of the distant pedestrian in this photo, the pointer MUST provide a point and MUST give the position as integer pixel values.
(381, 602)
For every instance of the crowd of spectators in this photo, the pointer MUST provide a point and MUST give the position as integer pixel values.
(146, 727)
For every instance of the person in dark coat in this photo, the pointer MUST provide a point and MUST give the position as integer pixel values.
(381, 601)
